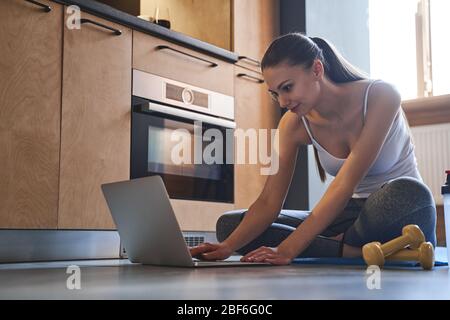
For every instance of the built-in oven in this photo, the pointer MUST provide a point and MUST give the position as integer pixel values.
(185, 134)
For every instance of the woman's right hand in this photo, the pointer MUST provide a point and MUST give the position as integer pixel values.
(211, 251)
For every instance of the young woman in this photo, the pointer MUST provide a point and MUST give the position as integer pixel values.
(360, 136)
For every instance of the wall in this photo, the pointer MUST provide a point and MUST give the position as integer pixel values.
(345, 24)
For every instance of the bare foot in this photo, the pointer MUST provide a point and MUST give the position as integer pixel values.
(351, 252)
(348, 251)
(338, 237)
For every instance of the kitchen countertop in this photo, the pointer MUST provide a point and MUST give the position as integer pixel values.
(117, 16)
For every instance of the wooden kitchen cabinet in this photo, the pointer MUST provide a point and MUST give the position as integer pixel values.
(253, 110)
(255, 24)
(30, 103)
(208, 21)
(96, 116)
(172, 61)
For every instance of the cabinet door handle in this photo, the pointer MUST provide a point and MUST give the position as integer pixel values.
(244, 75)
(43, 6)
(253, 61)
(162, 47)
(117, 32)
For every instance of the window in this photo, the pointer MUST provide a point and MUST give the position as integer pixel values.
(409, 47)
(440, 47)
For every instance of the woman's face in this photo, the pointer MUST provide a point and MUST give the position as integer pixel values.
(294, 87)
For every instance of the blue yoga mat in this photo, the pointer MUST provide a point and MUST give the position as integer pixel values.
(360, 262)
(440, 256)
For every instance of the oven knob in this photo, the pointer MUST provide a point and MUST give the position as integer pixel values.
(188, 96)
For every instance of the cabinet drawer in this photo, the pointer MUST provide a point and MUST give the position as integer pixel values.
(250, 63)
(175, 62)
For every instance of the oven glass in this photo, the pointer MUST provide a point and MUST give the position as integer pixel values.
(174, 148)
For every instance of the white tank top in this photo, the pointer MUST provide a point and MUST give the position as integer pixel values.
(395, 159)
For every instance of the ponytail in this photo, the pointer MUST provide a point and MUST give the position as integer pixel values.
(322, 174)
(337, 68)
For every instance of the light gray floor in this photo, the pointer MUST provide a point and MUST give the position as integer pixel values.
(119, 279)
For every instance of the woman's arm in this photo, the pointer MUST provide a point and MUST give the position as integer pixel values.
(384, 103)
(269, 203)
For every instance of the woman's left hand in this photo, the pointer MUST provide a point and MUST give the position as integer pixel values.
(267, 254)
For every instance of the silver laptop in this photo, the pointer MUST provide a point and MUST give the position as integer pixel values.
(147, 225)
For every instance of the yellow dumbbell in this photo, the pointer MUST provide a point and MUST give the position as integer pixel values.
(425, 255)
(374, 253)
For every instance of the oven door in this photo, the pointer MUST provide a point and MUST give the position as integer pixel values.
(170, 142)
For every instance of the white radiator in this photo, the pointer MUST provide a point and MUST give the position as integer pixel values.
(433, 155)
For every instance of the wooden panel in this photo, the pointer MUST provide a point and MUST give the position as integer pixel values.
(96, 113)
(256, 24)
(176, 66)
(199, 215)
(208, 21)
(30, 102)
(132, 7)
(253, 110)
(425, 111)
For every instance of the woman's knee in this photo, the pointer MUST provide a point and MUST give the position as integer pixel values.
(271, 237)
(425, 218)
(417, 205)
(400, 197)
(398, 203)
(408, 189)
(226, 223)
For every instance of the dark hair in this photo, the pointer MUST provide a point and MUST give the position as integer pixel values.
(298, 49)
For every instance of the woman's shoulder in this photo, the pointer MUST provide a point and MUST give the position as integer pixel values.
(384, 93)
(372, 83)
(378, 86)
(376, 90)
(382, 103)
(293, 128)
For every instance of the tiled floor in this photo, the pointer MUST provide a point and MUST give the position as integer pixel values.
(119, 279)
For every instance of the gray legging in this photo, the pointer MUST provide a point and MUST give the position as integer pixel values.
(380, 217)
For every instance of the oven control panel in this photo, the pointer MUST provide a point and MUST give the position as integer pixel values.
(178, 94)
